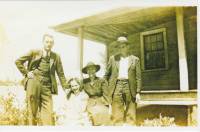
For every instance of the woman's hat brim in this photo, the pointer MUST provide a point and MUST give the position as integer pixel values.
(85, 69)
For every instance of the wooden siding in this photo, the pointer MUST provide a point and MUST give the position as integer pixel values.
(157, 80)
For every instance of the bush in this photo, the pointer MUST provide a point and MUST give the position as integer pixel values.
(161, 121)
(11, 113)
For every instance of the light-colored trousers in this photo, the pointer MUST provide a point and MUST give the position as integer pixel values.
(39, 103)
(123, 107)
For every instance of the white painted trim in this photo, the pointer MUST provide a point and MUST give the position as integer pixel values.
(141, 102)
(81, 44)
(183, 68)
(170, 91)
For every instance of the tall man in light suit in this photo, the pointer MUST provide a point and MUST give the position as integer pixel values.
(40, 82)
(124, 76)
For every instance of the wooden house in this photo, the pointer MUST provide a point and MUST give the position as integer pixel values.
(165, 40)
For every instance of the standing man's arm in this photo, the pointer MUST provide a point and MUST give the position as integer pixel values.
(20, 62)
(107, 93)
(60, 72)
(138, 80)
(138, 76)
(104, 86)
(108, 69)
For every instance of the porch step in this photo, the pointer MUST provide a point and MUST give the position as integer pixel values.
(155, 102)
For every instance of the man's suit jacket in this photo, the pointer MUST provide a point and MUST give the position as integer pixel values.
(33, 58)
(134, 75)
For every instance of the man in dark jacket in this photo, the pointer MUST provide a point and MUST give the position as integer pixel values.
(40, 81)
(124, 76)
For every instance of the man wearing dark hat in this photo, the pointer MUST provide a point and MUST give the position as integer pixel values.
(124, 76)
(95, 89)
(40, 82)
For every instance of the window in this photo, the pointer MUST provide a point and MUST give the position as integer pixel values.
(154, 50)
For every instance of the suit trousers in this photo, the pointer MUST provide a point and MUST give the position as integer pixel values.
(123, 106)
(39, 102)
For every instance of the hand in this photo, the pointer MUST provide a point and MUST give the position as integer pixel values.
(137, 97)
(30, 75)
(67, 85)
(67, 91)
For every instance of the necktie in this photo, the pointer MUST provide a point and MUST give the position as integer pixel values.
(47, 56)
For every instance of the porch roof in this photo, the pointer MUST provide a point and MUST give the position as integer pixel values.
(106, 27)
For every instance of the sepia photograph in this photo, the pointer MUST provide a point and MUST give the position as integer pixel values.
(98, 63)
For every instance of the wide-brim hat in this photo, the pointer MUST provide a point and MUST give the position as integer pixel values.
(122, 39)
(91, 64)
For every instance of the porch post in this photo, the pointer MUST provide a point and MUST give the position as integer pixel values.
(81, 42)
(107, 53)
(183, 68)
(192, 115)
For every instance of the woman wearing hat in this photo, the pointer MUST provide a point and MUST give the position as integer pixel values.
(95, 88)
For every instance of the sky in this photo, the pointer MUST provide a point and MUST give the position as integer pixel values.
(22, 25)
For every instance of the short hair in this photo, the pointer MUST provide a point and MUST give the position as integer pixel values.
(47, 35)
(71, 92)
(74, 79)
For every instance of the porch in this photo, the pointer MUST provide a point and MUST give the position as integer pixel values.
(174, 89)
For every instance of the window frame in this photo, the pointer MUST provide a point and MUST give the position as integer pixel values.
(142, 34)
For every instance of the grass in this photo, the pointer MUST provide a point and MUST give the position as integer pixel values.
(162, 121)
(12, 113)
